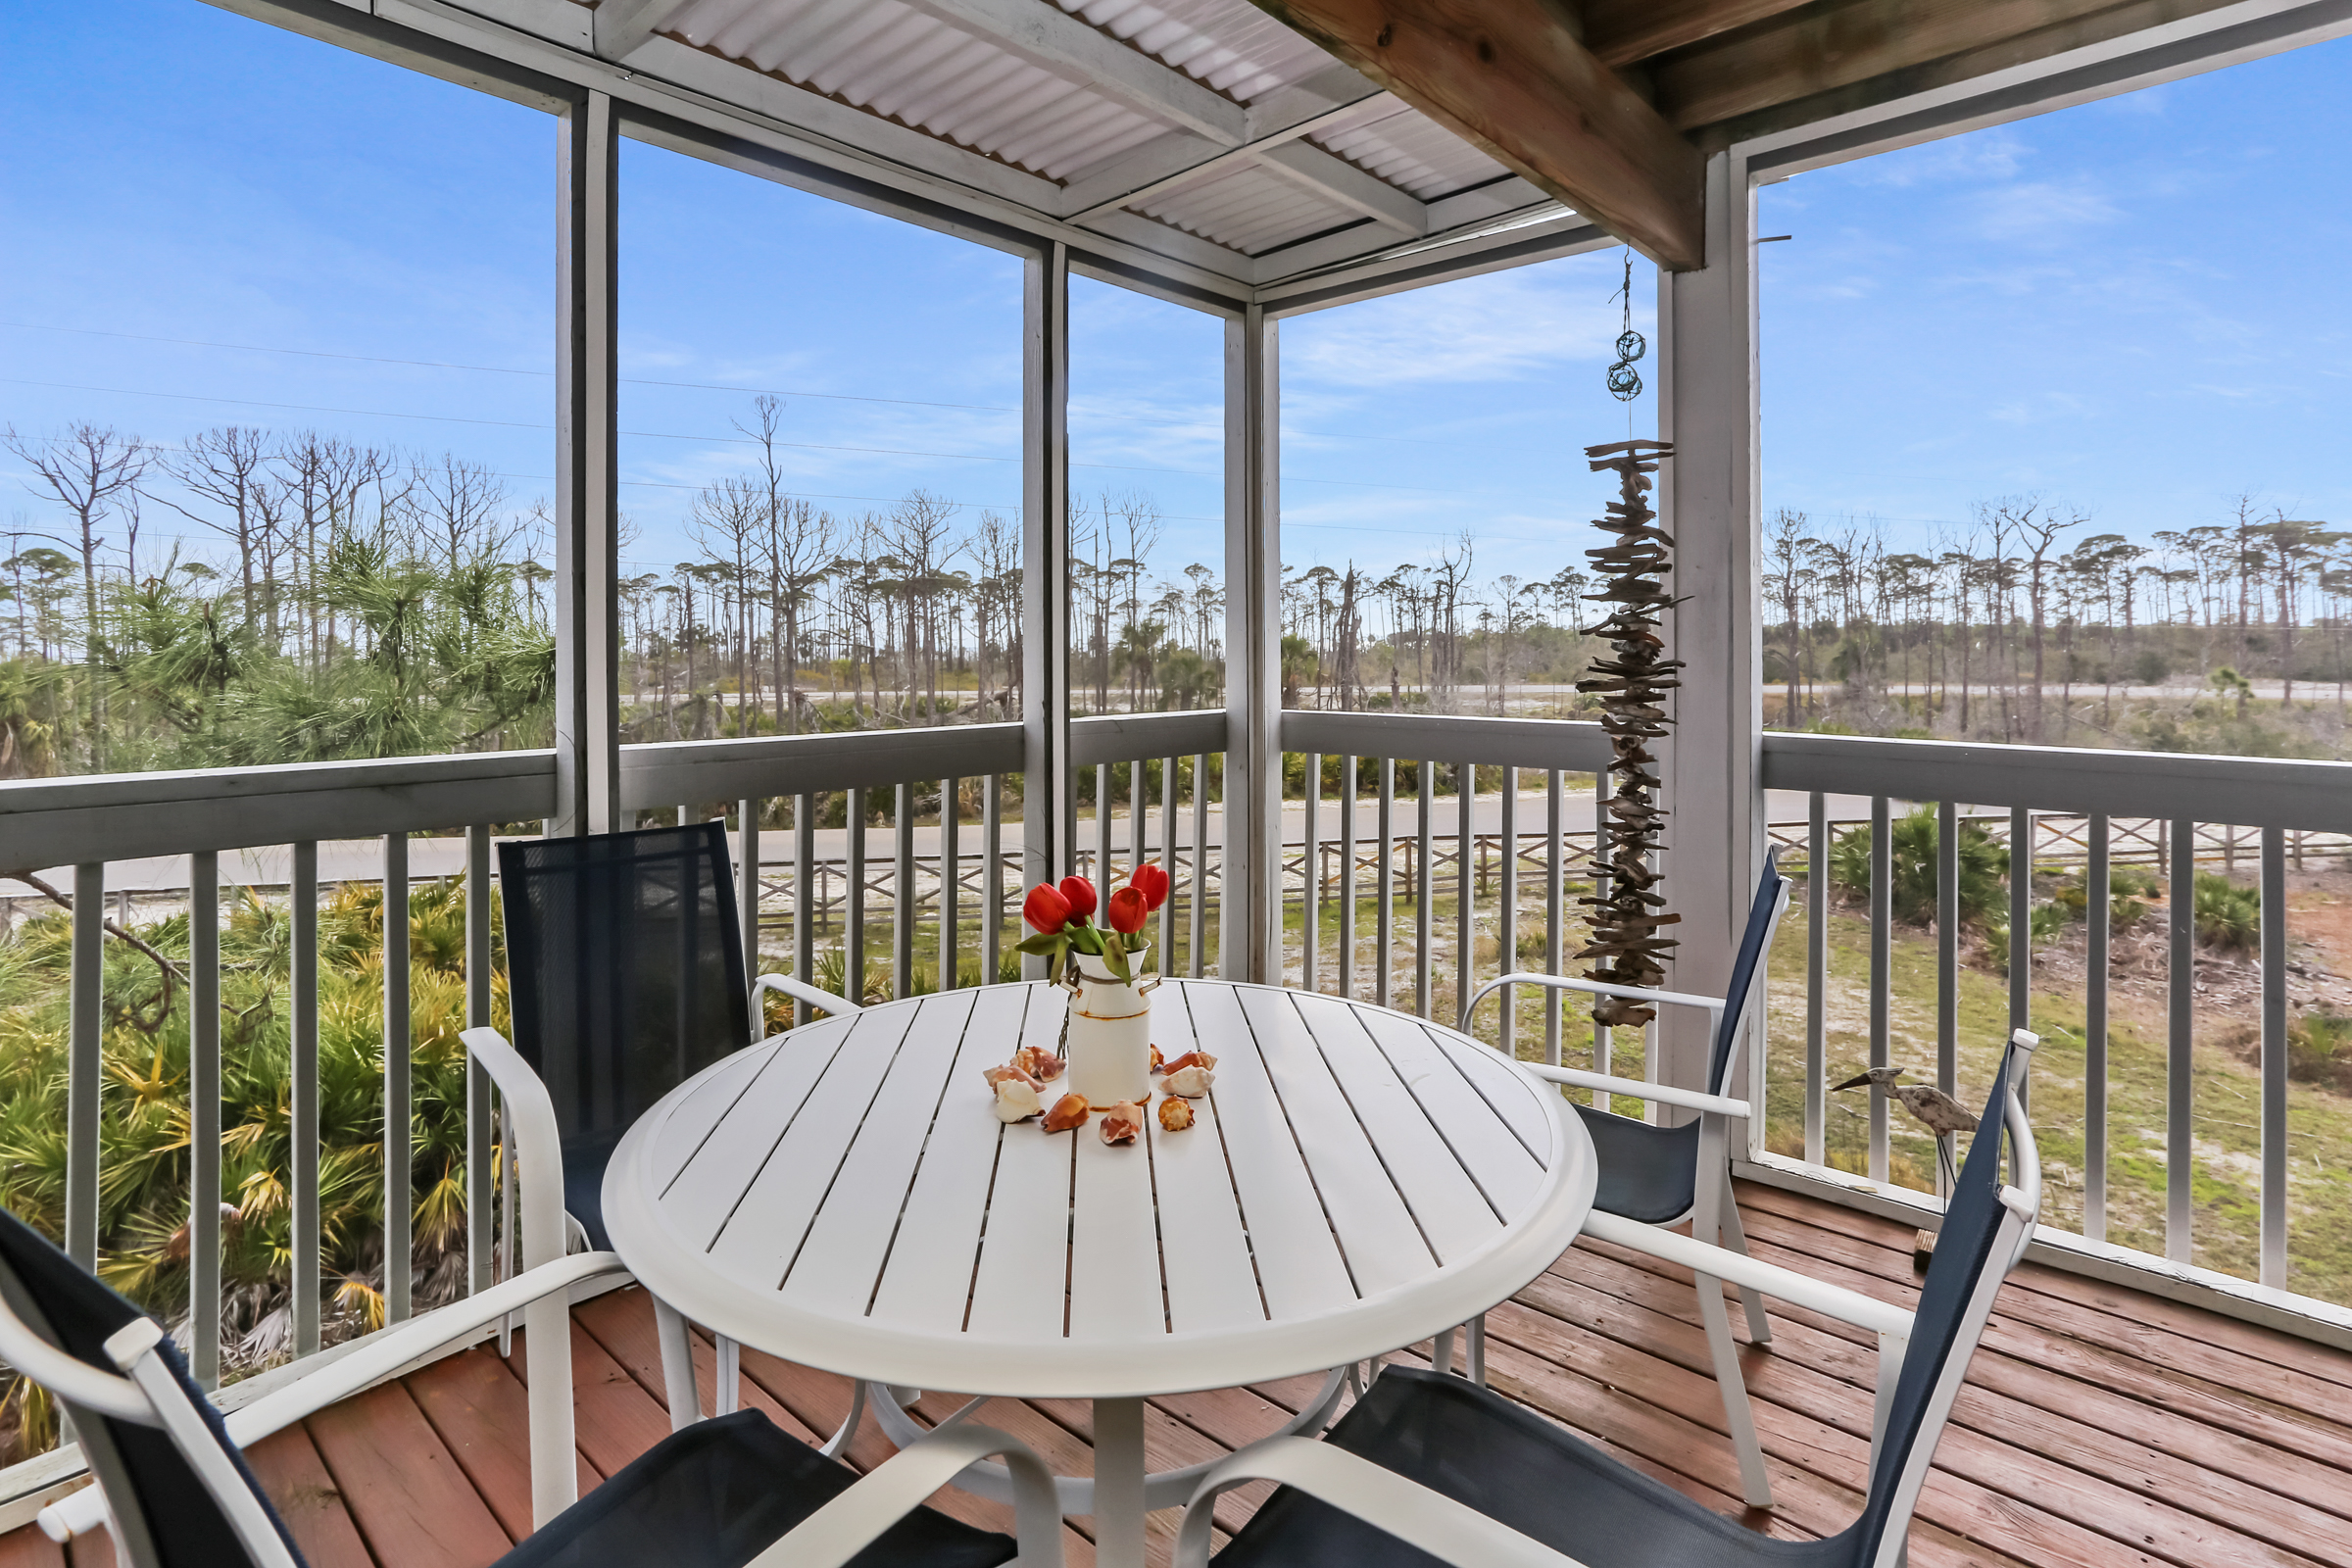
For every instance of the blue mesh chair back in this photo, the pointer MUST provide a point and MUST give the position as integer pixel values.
(164, 1516)
(626, 974)
(1953, 1302)
(1744, 972)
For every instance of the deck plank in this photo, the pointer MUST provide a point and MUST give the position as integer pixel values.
(290, 1471)
(411, 1501)
(477, 1401)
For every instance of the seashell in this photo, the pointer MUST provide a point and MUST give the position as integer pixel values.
(1189, 1080)
(1017, 1099)
(1157, 1064)
(1175, 1114)
(1122, 1121)
(1194, 1059)
(1069, 1111)
(1012, 1069)
(1038, 1063)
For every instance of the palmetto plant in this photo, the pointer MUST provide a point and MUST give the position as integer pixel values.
(144, 1120)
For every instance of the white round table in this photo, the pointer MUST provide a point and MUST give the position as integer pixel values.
(842, 1196)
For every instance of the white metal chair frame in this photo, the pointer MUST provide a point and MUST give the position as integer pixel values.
(542, 1293)
(1714, 1213)
(1461, 1536)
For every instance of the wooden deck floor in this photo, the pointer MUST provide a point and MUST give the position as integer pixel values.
(2102, 1428)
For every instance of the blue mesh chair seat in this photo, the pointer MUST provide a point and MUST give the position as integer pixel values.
(1514, 1466)
(712, 1496)
(1646, 1173)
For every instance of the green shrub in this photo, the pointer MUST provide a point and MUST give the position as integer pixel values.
(2229, 917)
(2129, 889)
(2318, 1049)
(1983, 866)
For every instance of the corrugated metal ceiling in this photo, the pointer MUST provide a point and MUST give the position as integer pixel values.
(893, 59)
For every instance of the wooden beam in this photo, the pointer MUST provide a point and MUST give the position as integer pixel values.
(1621, 33)
(1510, 78)
(1827, 47)
(623, 26)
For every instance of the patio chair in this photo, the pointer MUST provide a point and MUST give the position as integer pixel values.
(1663, 1176)
(176, 1492)
(1429, 1468)
(625, 976)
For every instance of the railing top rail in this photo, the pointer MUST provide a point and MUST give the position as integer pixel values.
(1137, 737)
(121, 816)
(673, 771)
(2248, 791)
(1570, 744)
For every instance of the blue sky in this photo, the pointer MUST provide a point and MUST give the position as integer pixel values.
(2139, 308)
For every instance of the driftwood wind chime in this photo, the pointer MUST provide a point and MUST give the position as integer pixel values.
(1633, 682)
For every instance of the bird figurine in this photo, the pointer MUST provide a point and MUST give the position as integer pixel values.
(1939, 1112)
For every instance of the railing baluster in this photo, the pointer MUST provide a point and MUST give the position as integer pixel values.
(746, 893)
(1817, 972)
(1947, 950)
(204, 1117)
(1347, 875)
(2273, 1057)
(808, 899)
(906, 904)
(399, 1134)
(1465, 901)
(2098, 911)
(1603, 1039)
(302, 914)
(1881, 925)
(1555, 908)
(1310, 885)
(1421, 882)
(1102, 829)
(2180, 1037)
(1167, 863)
(853, 930)
(992, 881)
(2021, 919)
(85, 1064)
(1506, 917)
(1384, 929)
(1198, 935)
(951, 885)
(480, 1136)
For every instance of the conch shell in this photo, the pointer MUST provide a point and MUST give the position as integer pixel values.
(1191, 1080)
(1038, 1063)
(1122, 1121)
(1193, 1058)
(1175, 1114)
(1069, 1111)
(1017, 1099)
(1157, 1065)
(1012, 1069)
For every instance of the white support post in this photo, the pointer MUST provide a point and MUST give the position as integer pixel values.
(1046, 790)
(1250, 936)
(1715, 830)
(587, 474)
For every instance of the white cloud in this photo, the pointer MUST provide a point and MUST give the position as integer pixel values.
(2042, 211)
(1501, 327)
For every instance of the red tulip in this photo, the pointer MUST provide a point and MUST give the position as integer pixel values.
(1127, 912)
(1046, 909)
(1151, 881)
(1079, 894)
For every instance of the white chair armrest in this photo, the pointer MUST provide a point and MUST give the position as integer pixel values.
(376, 1359)
(1882, 1318)
(800, 989)
(1663, 1093)
(1598, 988)
(851, 1522)
(1446, 1530)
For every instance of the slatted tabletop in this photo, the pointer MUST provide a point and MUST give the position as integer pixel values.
(843, 1194)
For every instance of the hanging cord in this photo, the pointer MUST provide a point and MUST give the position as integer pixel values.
(1625, 383)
